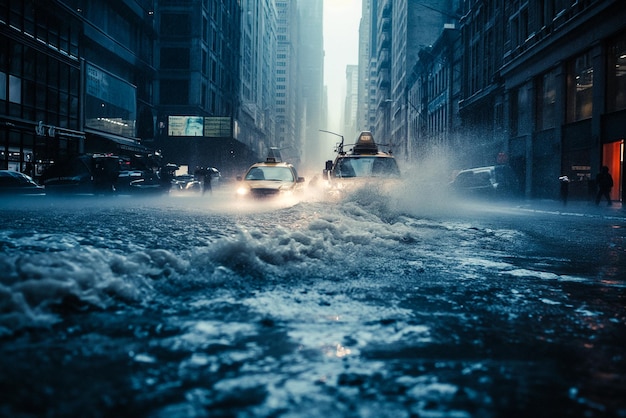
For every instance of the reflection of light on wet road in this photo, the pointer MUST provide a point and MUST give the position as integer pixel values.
(342, 351)
(355, 308)
(336, 350)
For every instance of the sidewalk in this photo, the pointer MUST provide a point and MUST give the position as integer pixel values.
(575, 207)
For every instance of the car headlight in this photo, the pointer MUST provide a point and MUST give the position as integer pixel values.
(243, 191)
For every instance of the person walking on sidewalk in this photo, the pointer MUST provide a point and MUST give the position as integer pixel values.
(605, 184)
(564, 189)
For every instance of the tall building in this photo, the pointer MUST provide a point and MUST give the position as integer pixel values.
(398, 31)
(74, 78)
(351, 102)
(483, 32)
(381, 53)
(288, 137)
(415, 25)
(311, 76)
(365, 53)
(117, 50)
(433, 94)
(259, 45)
(198, 84)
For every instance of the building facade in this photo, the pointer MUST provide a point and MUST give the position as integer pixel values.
(538, 85)
(564, 74)
(381, 50)
(311, 75)
(287, 82)
(351, 102)
(433, 93)
(201, 82)
(553, 92)
(198, 84)
(259, 46)
(74, 78)
(365, 45)
(403, 29)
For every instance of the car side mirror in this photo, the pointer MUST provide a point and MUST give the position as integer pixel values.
(329, 165)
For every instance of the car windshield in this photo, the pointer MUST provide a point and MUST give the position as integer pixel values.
(367, 167)
(270, 173)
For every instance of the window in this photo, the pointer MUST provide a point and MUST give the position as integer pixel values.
(175, 58)
(175, 24)
(579, 88)
(546, 101)
(3, 86)
(174, 92)
(520, 111)
(15, 89)
(616, 75)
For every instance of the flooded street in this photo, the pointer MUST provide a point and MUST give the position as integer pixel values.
(371, 306)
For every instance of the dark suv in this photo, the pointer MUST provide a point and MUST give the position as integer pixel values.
(490, 181)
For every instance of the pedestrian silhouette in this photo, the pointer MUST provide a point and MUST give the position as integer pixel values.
(605, 184)
(206, 184)
(564, 180)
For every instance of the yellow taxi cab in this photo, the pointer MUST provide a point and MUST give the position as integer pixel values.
(363, 165)
(270, 178)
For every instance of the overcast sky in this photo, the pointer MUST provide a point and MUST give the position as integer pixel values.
(341, 47)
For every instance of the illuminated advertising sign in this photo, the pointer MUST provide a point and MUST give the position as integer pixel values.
(217, 127)
(209, 127)
(185, 126)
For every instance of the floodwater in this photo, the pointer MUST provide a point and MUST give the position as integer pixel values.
(374, 305)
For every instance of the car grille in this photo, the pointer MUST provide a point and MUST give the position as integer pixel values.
(264, 193)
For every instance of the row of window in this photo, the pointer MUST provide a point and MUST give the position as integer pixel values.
(38, 23)
(578, 92)
(35, 86)
(574, 81)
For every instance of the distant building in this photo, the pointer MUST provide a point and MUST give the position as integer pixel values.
(403, 29)
(433, 93)
(287, 136)
(311, 75)
(351, 102)
(365, 45)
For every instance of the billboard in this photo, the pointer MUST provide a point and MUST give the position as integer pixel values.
(209, 127)
(217, 127)
(185, 126)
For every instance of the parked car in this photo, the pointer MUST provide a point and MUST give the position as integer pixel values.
(88, 174)
(492, 181)
(148, 181)
(268, 179)
(16, 183)
(195, 183)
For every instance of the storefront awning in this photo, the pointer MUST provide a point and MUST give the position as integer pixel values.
(121, 143)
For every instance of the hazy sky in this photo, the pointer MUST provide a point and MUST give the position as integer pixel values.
(341, 47)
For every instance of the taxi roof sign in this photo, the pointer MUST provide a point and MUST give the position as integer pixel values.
(365, 144)
(273, 155)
